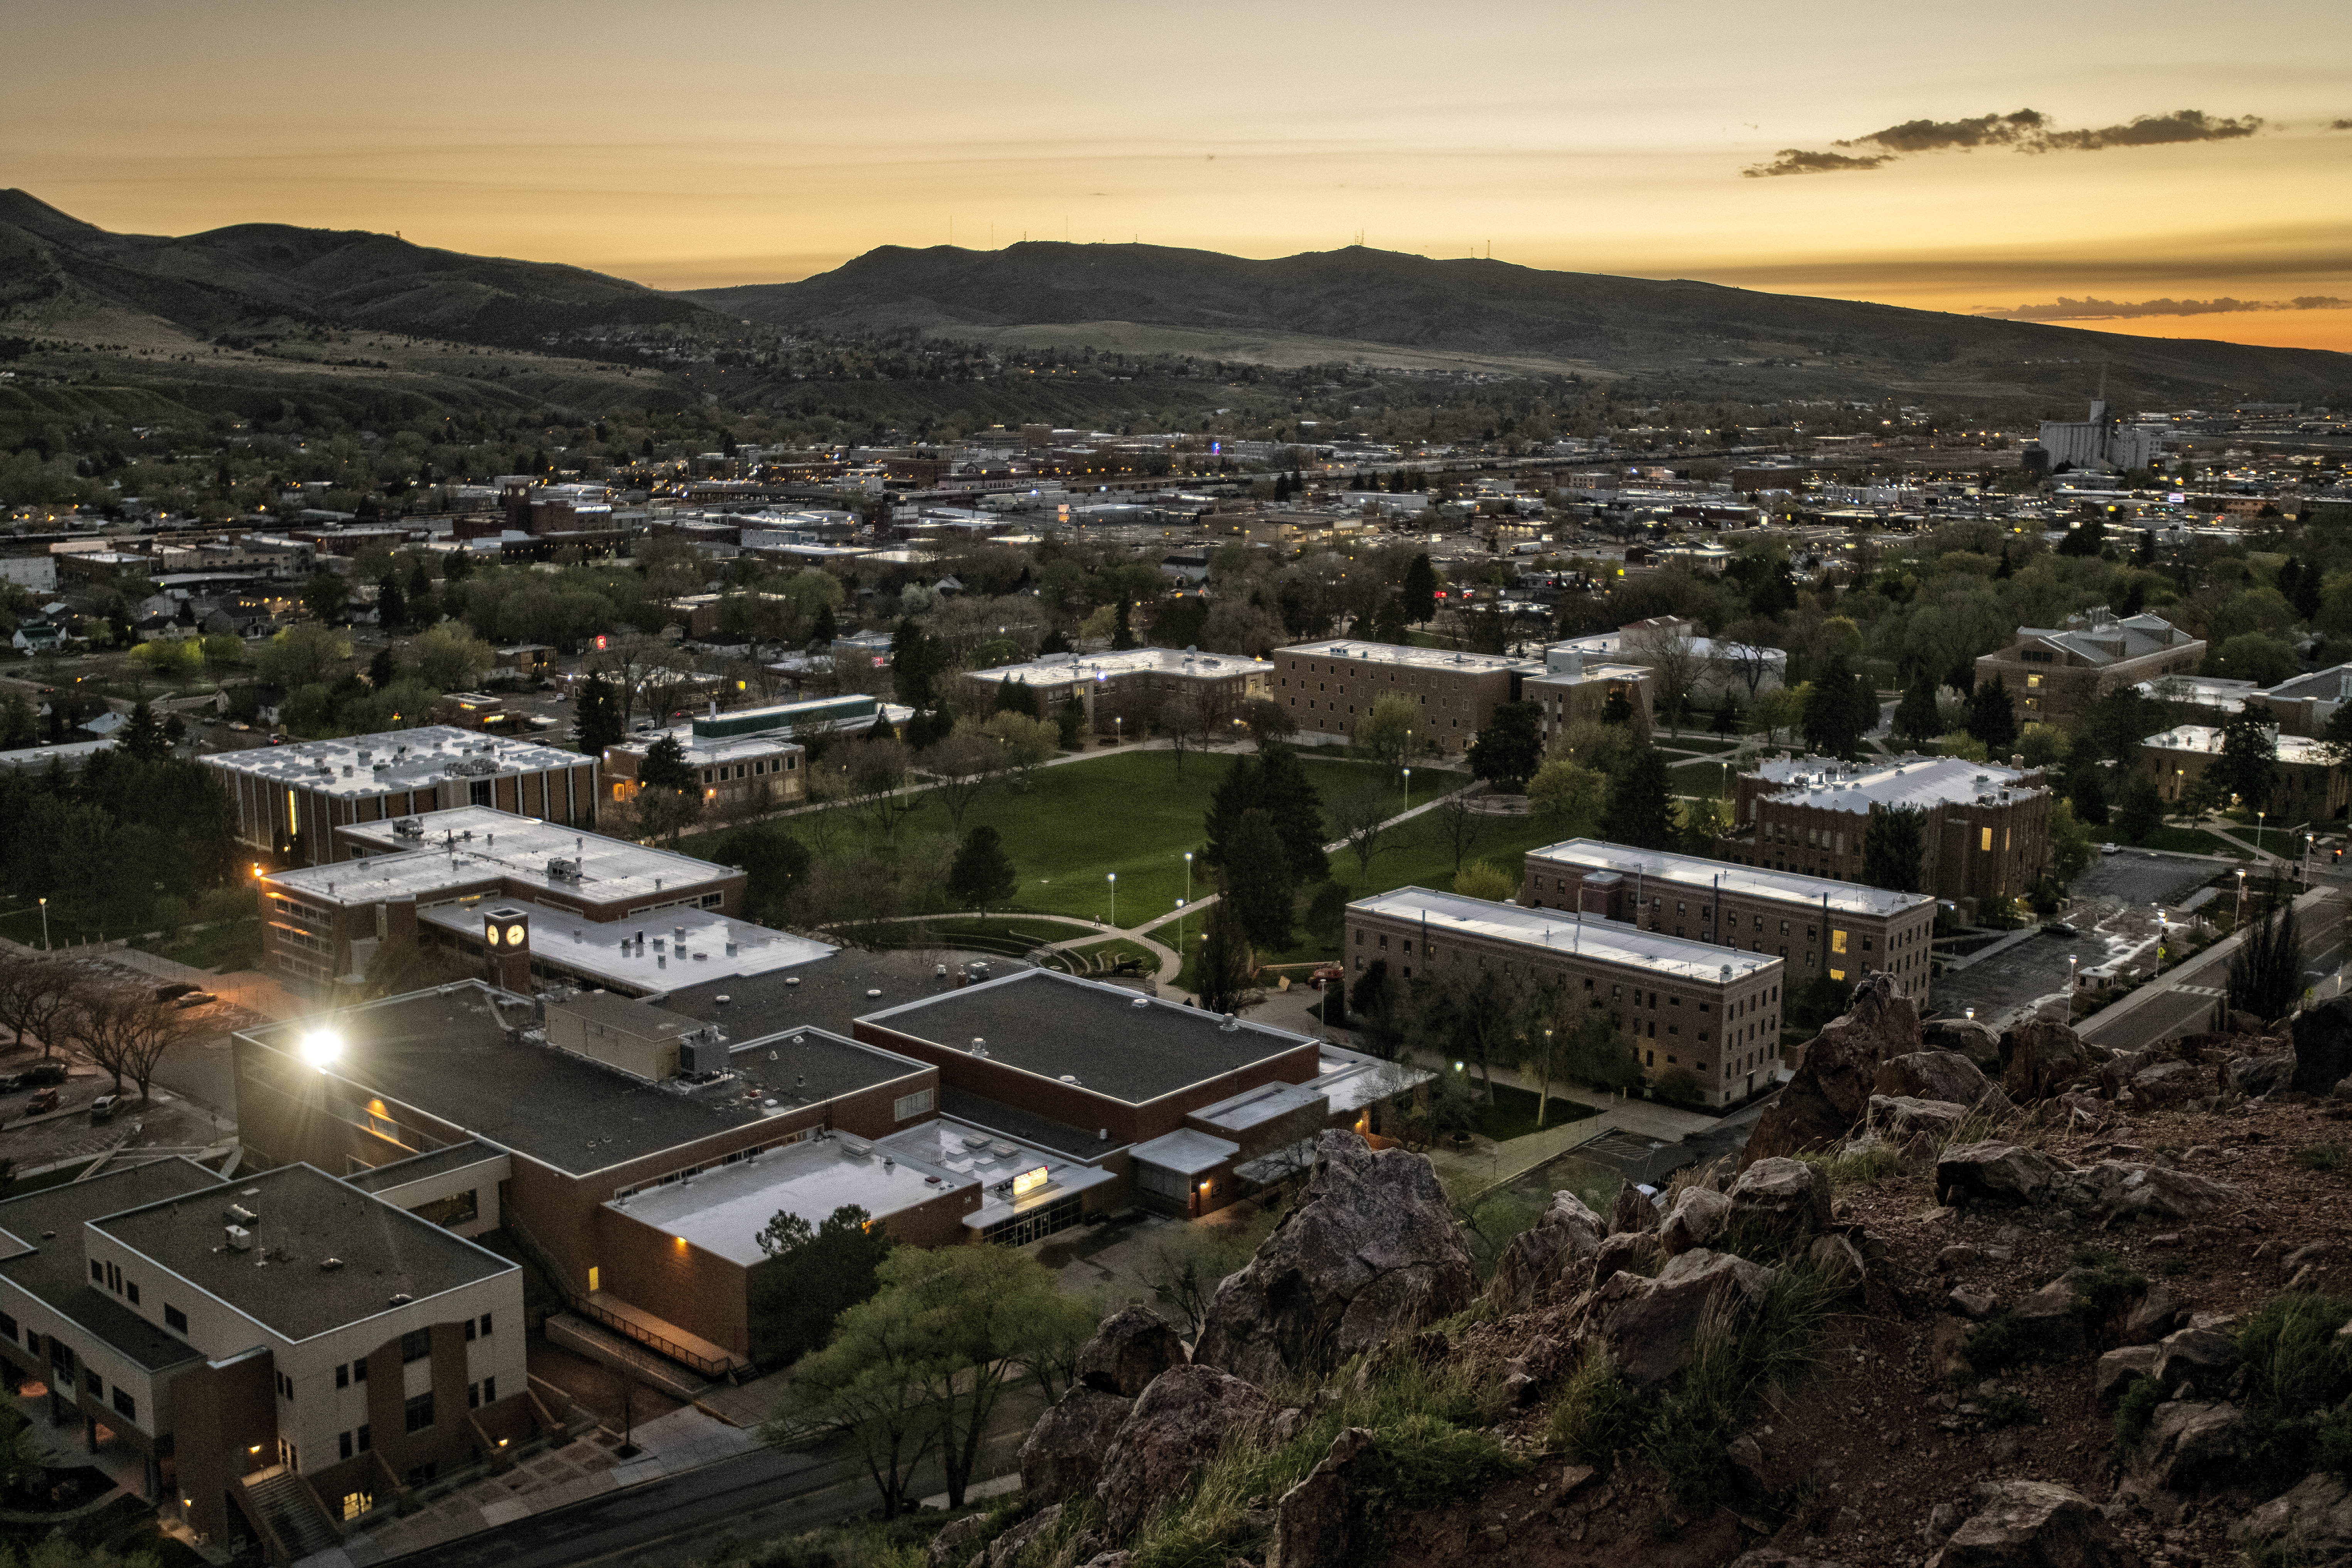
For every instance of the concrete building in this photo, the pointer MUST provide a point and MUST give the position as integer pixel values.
(1127, 687)
(2303, 705)
(1984, 836)
(2101, 441)
(285, 1350)
(1575, 688)
(1819, 925)
(1717, 665)
(2056, 672)
(1329, 686)
(2309, 788)
(745, 760)
(301, 793)
(1682, 1003)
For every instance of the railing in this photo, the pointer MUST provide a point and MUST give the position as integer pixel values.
(678, 1352)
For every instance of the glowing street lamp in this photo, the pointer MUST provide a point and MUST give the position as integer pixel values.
(1113, 879)
(1408, 789)
(44, 925)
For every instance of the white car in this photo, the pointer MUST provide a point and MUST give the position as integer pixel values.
(2107, 849)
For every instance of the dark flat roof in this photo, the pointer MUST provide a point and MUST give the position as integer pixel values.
(1053, 1024)
(827, 993)
(417, 1167)
(1026, 1125)
(449, 1053)
(306, 1217)
(57, 1269)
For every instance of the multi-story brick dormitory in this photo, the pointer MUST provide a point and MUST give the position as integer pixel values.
(305, 791)
(2056, 672)
(286, 1351)
(1125, 689)
(1984, 836)
(1329, 686)
(1683, 1003)
(2307, 785)
(1820, 926)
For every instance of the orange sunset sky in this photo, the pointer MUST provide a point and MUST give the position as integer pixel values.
(711, 142)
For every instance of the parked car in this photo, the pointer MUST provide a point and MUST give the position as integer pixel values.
(198, 999)
(46, 1100)
(46, 1072)
(11, 1083)
(2108, 850)
(1326, 976)
(102, 1109)
(2060, 927)
(174, 992)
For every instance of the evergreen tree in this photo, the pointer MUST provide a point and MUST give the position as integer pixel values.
(2146, 554)
(2007, 569)
(1640, 803)
(1915, 717)
(665, 768)
(2088, 537)
(142, 737)
(982, 876)
(1016, 696)
(1891, 850)
(1389, 621)
(1258, 883)
(2266, 976)
(2302, 588)
(1419, 594)
(1371, 992)
(1841, 708)
(1057, 641)
(821, 626)
(2142, 813)
(2248, 765)
(1239, 791)
(1508, 751)
(420, 582)
(1221, 970)
(1729, 719)
(915, 663)
(596, 717)
(1992, 718)
(1290, 798)
(1122, 630)
(2088, 791)
(391, 603)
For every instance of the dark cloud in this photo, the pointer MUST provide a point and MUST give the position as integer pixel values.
(2024, 131)
(2065, 310)
(2340, 125)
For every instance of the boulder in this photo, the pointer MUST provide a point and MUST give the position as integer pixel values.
(2112, 1190)
(1568, 1234)
(1634, 1212)
(1944, 1075)
(1369, 1250)
(2316, 1514)
(1062, 1457)
(1133, 1346)
(1627, 1252)
(1972, 1304)
(1648, 1325)
(2322, 1046)
(1993, 1173)
(2153, 1316)
(2038, 1058)
(2032, 1525)
(1829, 1091)
(2117, 1370)
(2190, 1450)
(1006, 1549)
(1784, 1198)
(1961, 1037)
(2201, 1358)
(2256, 1076)
(1174, 1429)
(1315, 1520)
(1698, 1213)
(2166, 1083)
(1900, 1117)
(2051, 1316)
(957, 1543)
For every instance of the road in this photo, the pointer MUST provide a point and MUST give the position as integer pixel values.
(752, 1498)
(2183, 1000)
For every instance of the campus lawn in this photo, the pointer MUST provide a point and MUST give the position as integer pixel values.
(24, 926)
(2197, 841)
(1512, 1113)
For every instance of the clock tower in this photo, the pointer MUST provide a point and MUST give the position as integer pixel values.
(506, 932)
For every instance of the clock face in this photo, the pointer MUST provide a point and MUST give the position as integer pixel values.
(514, 936)
(491, 934)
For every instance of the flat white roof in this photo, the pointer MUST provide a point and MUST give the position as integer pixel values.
(1056, 669)
(963, 1151)
(1563, 931)
(1906, 782)
(1349, 1080)
(2298, 749)
(1186, 1151)
(488, 842)
(1419, 658)
(593, 948)
(1255, 1107)
(1700, 874)
(400, 760)
(723, 1210)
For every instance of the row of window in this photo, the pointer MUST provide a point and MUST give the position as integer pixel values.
(756, 768)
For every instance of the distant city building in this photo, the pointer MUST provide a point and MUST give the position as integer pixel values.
(1984, 834)
(1717, 665)
(1820, 925)
(752, 758)
(2303, 705)
(2309, 787)
(2056, 672)
(1683, 1003)
(1130, 685)
(2102, 441)
(302, 792)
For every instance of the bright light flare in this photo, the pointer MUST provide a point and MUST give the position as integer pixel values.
(321, 1049)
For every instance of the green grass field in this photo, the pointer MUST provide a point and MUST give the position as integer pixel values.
(1512, 1113)
(24, 925)
(2197, 841)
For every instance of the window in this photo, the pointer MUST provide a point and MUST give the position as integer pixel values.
(489, 1391)
(485, 1325)
(97, 1271)
(473, 1396)
(94, 1382)
(359, 1374)
(416, 1345)
(343, 1445)
(1985, 843)
(344, 1380)
(284, 1388)
(8, 1327)
(909, 1105)
(131, 1288)
(174, 1318)
(1837, 942)
(418, 1411)
(125, 1405)
(365, 1444)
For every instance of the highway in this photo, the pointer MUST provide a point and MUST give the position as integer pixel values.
(2182, 1001)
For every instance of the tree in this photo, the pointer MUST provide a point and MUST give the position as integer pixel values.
(35, 995)
(2087, 537)
(963, 765)
(324, 594)
(1915, 717)
(982, 876)
(1640, 804)
(916, 661)
(1484, 879)
(1675, 664)
(1992, 717)
(1222, 971)
(1418, 596)
(1184, 723)
(1184, 1264)
(664, 767)
(773, 863)
(1567, 796)
(1506, 752)
(1839, 710)
(1122, 633)
(1891, 850)
(1016, 696)
(1358, 818)
(1027, 743)
(1466, 1011)
(1782, 708)
(1386, 733)
(2247, 767)
(868, 1381)
(1257, 881)
(1459, 819)
(391, 603)
(817, 1274)
(596, 717)
(2266, 975)
(125, 1030)
(1291, 798)
(1267, 722)
(303, 655)
(142, 737)
(2142, 813)
(451, 658)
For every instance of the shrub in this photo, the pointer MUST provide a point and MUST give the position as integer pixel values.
(1865, 1165)
(2133, 1414)
(2318, 1157)
(2007, 1410)
(1597, 1417)
(2296, 1372)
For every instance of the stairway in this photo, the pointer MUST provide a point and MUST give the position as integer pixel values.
(280, 1496)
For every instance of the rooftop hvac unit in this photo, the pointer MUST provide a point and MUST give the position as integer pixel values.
(704, 1051)
(239, 1238)
(240, 1214)
(563, 871)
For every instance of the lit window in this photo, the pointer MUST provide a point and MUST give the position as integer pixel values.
(1985, 842)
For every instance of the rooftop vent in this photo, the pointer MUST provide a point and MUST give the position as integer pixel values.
(1140, 1002)
(239, 1238)
(874, 991)
(402, 1298)
(328, 1265)
(1070, 1077)
(240, 1214)
(1231, 1023)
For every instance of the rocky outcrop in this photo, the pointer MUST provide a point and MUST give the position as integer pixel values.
(1649, 1325)
(1961, 1037)
(2117, 1370)
(2316, 1514)
(1829, 1091)
(2032, 1525)
(2189, 1449)
(958, 1542)
(1784, 1200)
(1315, 1520)
(1062, 1457)
(2322, 1046)
(1006, 1549)
(1633, 1211)
(1627, 1252)
(1946, 1076)
(1370, 1251)
(1697, 1215)
(1568, 1233)
(1173, 1430)
(2113, 1190)
(2256, 1076)
(1133, 1346)
(1993, 1173)
(2038, 1058)
(1899, 1118)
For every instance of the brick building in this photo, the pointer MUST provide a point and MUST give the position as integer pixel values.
(1574, 689)
(1127, 687)
(1820, 926)
(2056, 672)
(1682, 1003)
(1328, 687)
(1984, 836)
(2308, 787)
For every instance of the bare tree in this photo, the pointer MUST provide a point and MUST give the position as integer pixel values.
(125, 1030)
(963, 765)
(1675, 662)
(1267, 722)
(1185, 723)
(877, 773)
(35, 995)
(1360, 818)
(1461, 823)
(1751, 657)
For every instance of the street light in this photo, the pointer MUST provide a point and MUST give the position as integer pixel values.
(2241, 895)
(1113, 879)
(1408, 789)
(2258, 831)
(44, 925)
(2160, 929)
(2070, 988)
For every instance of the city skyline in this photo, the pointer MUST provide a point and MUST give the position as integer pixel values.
(2173, 192)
